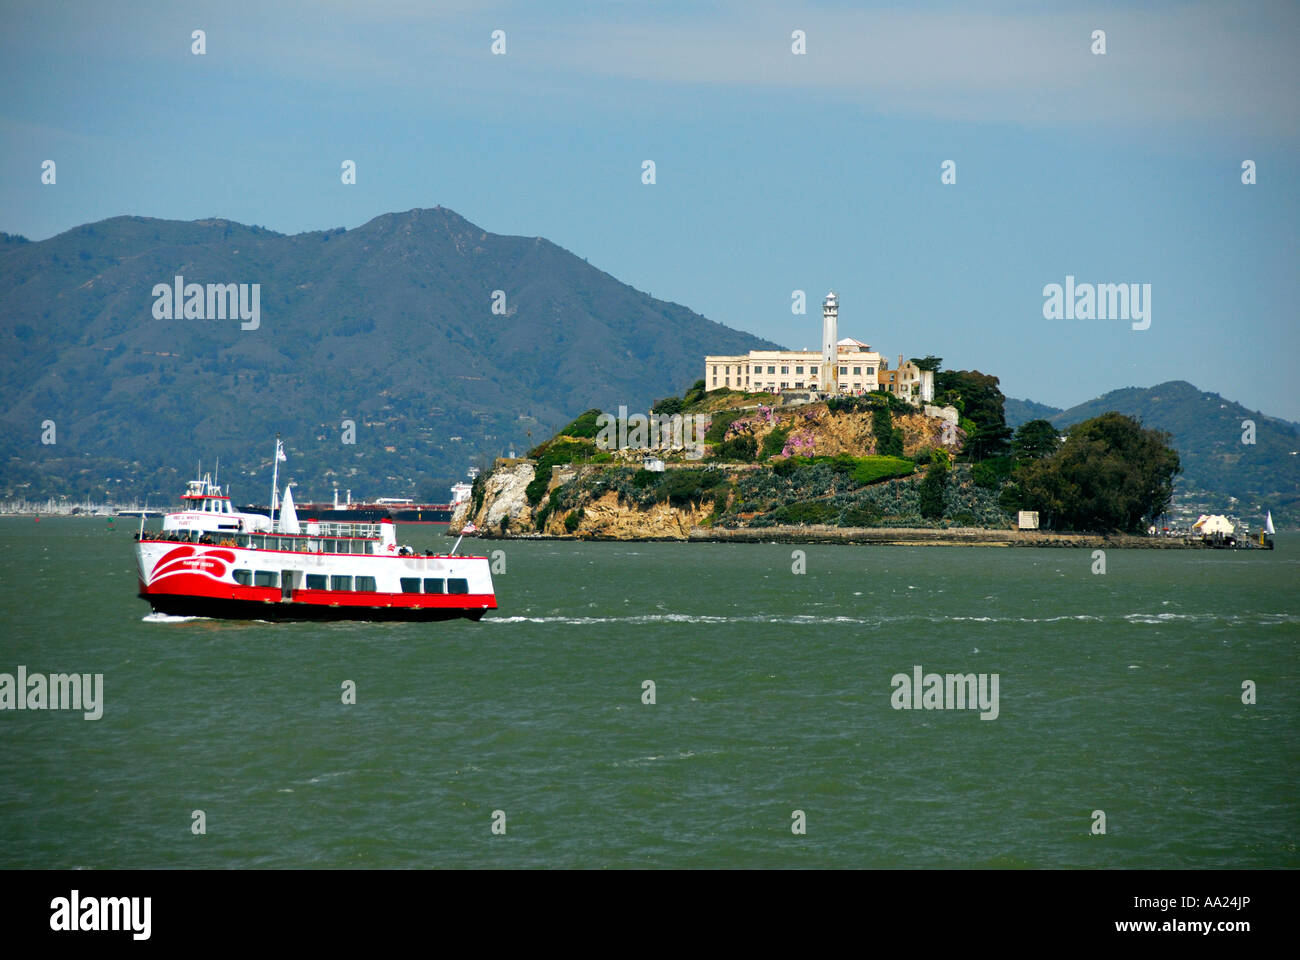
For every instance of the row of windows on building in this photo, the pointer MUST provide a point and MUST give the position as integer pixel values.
(320, 581)
(798, 371)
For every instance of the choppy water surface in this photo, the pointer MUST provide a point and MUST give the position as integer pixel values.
(1120, 692)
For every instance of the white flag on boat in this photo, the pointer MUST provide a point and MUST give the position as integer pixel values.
(288, 515)
(279, 451)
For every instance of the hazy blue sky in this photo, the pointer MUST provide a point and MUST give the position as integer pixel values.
(775, 172)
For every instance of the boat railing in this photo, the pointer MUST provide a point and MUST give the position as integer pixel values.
(344, 528)
(359, 538)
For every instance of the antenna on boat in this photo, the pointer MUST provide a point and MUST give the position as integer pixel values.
(275, 477)
(457, 546)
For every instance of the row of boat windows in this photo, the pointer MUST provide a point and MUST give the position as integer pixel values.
(259, 542)
(319, 581)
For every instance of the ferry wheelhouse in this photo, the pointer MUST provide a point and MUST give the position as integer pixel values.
(211, 561)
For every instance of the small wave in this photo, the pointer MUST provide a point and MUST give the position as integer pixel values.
(1263, 619)
(167, 618)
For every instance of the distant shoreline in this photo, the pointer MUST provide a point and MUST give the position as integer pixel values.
(903, 537)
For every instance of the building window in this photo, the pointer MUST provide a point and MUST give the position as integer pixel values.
(798, 385)
(871, 371)
(785, 369)
(784, 384)
(771, 369)
(715, 380)
(857, 371)
(844, 371)
(317, 581)
(798, 369)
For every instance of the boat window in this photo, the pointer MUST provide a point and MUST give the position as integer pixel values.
(316, 581)
(340, 583)
(266, 578)
(457, 585)
(328, 545)
(243, 577)
(410, 584)
(366, 584)
(435, 585)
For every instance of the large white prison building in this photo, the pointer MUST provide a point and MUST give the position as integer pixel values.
(851, 367)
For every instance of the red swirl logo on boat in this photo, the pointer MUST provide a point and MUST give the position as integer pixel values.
(182, 560)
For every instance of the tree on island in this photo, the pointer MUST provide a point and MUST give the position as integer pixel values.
(977, 396)
(1034, 440)
(1110, 474)
(928, 362)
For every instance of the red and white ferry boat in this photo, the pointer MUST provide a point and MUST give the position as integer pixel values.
(212, 561)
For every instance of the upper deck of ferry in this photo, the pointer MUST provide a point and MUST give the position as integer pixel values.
(360, 539)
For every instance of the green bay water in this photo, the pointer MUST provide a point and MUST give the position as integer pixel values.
(1119, 692)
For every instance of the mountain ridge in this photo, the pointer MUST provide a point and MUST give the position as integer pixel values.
(389, 325)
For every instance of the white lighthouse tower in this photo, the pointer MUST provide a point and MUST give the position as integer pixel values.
(829, 378)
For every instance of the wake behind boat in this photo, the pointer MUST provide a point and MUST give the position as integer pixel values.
(212, 561)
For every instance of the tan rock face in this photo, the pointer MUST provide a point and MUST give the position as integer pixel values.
(851, 433)
(606, 517)
(503, 496)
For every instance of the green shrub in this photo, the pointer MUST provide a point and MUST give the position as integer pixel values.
(742, 448)
(889, 441)
(991, 473)
(860, 515)
(585, 426)
(816, 511)
(932, 489)
(681, 487)
(923, 456)
(536, 488)
(556, 452)
(874, 469)
(718, 427)
(572, 519)
(645, 478)
(844, 463)
(784, 468)
(669, 406)
(479, 487)
(1010, 498)
(774, 442)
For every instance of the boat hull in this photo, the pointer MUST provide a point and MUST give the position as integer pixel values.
(177, 605)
